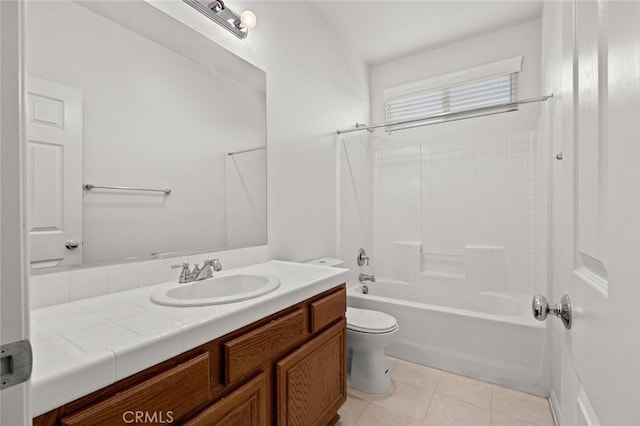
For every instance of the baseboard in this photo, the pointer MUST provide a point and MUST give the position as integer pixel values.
(555, 408)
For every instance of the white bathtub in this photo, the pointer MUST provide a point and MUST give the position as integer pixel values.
(488, 336)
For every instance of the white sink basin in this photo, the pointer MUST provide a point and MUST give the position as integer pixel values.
(217, 290)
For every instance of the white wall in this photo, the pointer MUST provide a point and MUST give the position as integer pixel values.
(355, 198)
(152, 118)
(314, 86)
(520, 40)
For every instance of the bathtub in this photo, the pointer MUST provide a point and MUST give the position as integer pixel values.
(488, 336)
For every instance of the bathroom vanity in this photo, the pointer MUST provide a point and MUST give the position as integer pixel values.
(285, 368)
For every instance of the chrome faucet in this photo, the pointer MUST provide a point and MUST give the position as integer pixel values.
(210, 265)
(364, 277)
(187, 276)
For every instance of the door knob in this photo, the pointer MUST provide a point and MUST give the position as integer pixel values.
(72, 244)
(541, 308)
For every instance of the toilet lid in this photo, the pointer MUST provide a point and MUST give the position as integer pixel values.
(368, 321)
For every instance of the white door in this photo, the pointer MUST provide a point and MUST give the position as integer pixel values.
(600, 201)
(54, 173)
(14, 312)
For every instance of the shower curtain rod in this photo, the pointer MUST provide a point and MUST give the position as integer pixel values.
(450, 116)
(246, 150)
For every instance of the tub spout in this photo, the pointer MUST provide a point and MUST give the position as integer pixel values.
(365, 277)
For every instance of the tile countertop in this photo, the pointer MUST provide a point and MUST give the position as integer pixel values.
(85, 345)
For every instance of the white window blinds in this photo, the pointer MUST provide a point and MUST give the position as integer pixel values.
(485, 85)
(455, 97)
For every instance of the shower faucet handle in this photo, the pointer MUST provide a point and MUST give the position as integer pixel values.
(362, 257)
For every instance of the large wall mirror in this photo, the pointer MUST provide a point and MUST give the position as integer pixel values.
(144, 138)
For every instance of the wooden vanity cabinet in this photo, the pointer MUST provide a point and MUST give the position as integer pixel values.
(246, 406)
(286, 369)
(311, 382)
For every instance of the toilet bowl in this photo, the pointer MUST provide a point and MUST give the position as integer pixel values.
(368, 334)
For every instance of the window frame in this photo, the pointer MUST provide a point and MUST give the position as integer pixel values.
(447, 82)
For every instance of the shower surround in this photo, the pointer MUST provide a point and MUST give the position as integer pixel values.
(462, 213)
(455, 218)
(460, 232)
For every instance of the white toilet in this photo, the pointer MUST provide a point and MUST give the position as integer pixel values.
(368, 334)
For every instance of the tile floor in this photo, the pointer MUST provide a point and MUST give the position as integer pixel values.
(424, 396)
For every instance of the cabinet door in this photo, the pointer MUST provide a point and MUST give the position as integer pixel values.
(312, 380)
(246, 406)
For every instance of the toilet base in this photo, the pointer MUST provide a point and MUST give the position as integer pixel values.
(369, 372)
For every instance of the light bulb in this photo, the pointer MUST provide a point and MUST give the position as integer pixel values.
(247, 20)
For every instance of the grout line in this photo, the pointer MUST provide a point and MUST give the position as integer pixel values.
(433, 393)
(491, 406)
(355, 422)
(426, 413)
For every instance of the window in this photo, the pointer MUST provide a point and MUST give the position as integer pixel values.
(487, 85)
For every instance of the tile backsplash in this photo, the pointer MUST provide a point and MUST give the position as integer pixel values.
(75, 284)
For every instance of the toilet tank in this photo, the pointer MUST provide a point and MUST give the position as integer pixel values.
(326, 261)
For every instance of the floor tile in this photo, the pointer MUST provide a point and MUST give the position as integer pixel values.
(521, 406)
(417, 375)
(391, 362)
(378, 416)
(465, 389)
(352, 393)
(498, 419)
(439, 398)
(351, 411)
(407, 400)
(451, 412)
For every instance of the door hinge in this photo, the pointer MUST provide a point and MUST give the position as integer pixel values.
(16, 362)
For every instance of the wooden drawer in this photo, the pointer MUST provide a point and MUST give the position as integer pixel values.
(246, 406)
(171, 394)
(327, 310)
(248, 352)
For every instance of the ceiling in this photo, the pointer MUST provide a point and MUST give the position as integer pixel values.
(381, 31)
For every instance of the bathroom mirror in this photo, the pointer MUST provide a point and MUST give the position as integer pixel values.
(144, 138)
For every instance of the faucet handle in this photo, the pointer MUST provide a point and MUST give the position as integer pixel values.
(214, 263)
(185, 275)
(196, 271)
(362, 257)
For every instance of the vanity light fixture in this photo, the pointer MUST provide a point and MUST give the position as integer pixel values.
(218, 12)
